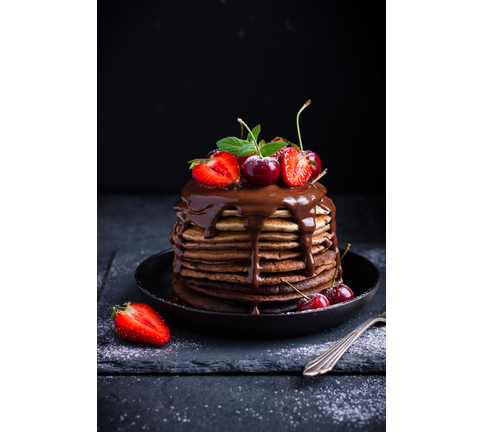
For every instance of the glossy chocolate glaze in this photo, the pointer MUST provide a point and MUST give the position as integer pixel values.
(202, 206)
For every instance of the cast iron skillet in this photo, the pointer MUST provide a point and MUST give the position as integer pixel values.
(155, 275)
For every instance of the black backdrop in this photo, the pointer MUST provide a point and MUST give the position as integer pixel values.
(173, 77)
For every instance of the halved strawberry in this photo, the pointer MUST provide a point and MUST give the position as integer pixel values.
(139, 322)
(295, 169)
(219, 170)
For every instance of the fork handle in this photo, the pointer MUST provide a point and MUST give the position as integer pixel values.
(327, 361)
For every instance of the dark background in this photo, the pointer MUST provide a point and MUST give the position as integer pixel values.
(173, 76)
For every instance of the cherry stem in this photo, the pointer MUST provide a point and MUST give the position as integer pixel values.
(306, 104)
(338, 264)
(254, 140)
(301, 293)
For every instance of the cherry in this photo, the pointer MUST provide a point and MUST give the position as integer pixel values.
(312, 301)
(212, 152)
(242, 159)
(312, 156)
(338, 294)
(261, 171)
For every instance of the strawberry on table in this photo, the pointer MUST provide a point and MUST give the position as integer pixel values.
(139, 322)
(219, 170)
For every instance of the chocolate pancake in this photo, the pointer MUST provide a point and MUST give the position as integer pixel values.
(266, 278)
(195, 234)
(183, 294)
(271, 224)
(220, 286)
(236, 246)
(316, 240)
(266, 266)
(259, 298)
(243, 255)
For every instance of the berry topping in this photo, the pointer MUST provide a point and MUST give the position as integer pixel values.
(316, 165)
(212, 152)
(219, 170)
(338, 294)
(242, 159)
(312, 301)
(139, 322)
(261, 171)
(295, 169)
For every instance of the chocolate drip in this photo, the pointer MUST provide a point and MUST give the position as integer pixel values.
(203, 206)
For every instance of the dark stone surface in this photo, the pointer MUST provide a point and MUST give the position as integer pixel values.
(131, 398)
(195, 352)
(269, 403)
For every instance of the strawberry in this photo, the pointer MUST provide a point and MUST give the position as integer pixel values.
(295, 169)
(139, 322)
(218, 170)
(277, 155)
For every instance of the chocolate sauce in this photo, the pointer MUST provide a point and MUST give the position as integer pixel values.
(203, 206)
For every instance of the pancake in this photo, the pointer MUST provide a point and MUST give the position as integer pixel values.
(240, 262)
(244, 297)
(185, 296)
(266, 266)
(266, 279)
(195, 234)
(243, 255)
(271, 224)
(224, 286)
(316, 240)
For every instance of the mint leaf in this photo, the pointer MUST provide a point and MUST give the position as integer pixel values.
(231, 144)
(261, 143)
(271, 148)
(255, 132)
(247, 150)
(287, 142)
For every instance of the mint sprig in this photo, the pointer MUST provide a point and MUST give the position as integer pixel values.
(240, 147)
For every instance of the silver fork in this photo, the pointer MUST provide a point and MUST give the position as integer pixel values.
(327, 361)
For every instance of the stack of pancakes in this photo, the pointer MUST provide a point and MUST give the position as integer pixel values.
(215, 270)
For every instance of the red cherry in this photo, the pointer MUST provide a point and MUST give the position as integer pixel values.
(261, 171)
(212, 152)
(312, 156)
(338, 294)
(315, 301)
(242, 159)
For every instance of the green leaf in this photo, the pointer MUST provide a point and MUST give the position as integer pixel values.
(271, 148)
(287, 142)
(231, 144)
(247, 150)
(195, 162)
(261, 143)
(255, 132)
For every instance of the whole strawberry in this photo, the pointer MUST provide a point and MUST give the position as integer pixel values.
(139, 322)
